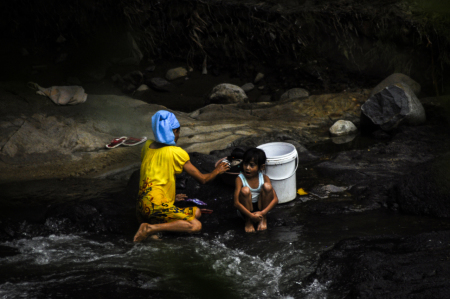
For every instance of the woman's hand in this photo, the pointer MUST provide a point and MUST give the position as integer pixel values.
(180, 197)
(222, 167)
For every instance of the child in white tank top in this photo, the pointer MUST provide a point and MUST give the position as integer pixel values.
(254, 195)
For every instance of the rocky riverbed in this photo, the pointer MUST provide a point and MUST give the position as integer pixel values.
(59, 179)
(375, 220)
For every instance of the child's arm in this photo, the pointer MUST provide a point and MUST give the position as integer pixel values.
(237, 203)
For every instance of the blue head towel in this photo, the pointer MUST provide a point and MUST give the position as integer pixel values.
(163, 122)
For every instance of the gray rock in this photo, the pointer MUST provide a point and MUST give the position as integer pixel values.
(227, 94)
(294, 93)
(160, 84)
(248, 87)
(397, 78)
(143, 87)
(259, 77)
(393, 106)
(342, 127)
(176, 73)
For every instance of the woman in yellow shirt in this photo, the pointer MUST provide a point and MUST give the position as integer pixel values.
(161, 161)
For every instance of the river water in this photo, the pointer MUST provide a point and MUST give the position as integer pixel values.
(219, 263)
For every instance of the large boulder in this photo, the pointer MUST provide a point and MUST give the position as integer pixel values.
(396, 104)
(394, 79)
(227, 94)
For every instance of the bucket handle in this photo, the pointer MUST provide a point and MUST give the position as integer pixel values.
(296, 166)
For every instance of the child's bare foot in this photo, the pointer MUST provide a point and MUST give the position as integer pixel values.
(262, 224)
(249, 228)
(144, 231)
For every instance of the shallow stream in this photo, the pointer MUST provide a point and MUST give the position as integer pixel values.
(226, 263)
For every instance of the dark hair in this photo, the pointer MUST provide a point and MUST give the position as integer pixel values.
(255, 154)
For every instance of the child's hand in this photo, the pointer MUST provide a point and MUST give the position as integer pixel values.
(222, 167)
(256, 217)
(180, 197)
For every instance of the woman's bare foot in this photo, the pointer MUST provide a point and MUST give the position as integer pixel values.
(144, 231)
(249, 228)
(262, 224)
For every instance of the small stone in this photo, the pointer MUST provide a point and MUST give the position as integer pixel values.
(143, 87)
(342, 127)
(176, 73)
(259, 77)
(248, 87)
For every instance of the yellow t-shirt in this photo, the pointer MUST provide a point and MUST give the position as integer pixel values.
(158, 170)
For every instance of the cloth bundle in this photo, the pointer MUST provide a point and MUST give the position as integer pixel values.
(61, 95)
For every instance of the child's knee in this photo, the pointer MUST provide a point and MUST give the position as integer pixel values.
(245, 191)
(267, 187)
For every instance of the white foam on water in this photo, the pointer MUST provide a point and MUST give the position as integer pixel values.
(315, 290)
(256, 277)
(57, 249)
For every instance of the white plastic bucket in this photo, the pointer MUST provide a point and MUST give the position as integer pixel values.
(281, 165)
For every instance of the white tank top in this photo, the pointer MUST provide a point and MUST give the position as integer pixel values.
(255, 192)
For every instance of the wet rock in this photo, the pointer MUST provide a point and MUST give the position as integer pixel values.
(160, 84)
(294, 93)
(387, 267)
(176, 73)
(391, 107)
(394, 79)
(342, 127)
(425, 191)
(227, 94)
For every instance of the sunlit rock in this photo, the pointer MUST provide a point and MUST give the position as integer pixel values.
(342, 127)
(227, 94)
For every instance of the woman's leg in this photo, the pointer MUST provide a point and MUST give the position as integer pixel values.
(265, 199)
(245, 198)
(181, 226)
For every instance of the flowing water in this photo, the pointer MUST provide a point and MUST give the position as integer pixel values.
(226, 263)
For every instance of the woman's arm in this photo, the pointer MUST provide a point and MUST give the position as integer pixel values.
(204, 178)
